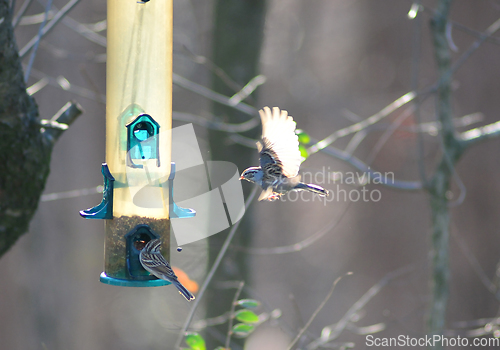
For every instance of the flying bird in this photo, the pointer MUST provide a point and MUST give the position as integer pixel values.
(154, 262)
(280, 158)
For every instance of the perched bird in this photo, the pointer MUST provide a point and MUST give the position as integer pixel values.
(153, 262)
(279, 158)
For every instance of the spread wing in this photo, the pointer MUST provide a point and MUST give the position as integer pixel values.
(279, 147)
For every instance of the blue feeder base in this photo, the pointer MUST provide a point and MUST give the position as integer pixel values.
(131, 283)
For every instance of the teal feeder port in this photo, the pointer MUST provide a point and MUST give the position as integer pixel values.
(142, 140)
(135, 240)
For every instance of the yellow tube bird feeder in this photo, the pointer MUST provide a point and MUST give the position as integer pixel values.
(137, 201)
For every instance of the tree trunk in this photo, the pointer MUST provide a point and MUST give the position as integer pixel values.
(25, 147)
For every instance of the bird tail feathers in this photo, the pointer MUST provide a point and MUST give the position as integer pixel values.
(185, 293)
(312, 188)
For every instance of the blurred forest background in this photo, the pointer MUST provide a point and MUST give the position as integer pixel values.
(330, 64)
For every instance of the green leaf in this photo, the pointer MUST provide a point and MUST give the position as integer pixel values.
(303, 151)
(246, 316)
(242, 330)
(303, 137)
(195, 341)
(248, 303)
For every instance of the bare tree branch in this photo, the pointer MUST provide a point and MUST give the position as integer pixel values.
(216, 125)
(492, 29)
(414, 84)
(37, 42)
(440, 182)
(60, 15)
(316, 312)
(490, 286)
(21, 12)
(388, 133)
(71, 194)
(408, 97)
(65, 116)
(296, 247)
(481, 133)
(212, 95)
(337, 328)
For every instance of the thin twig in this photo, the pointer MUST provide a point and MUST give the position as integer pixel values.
(90, 81)
(408, 97)
(66, 115)
(374, 328)
(247, 90)
(388, 133)
(338, 327)
(476, 323)
(212, 67)
(415, 74)
(82, 29)
(449, 37)
(316, 312)
(183, 82)
(210, 322)
(39, 37)
(21, 12)
(475, 33)
(356, 140)
(71, 194)
(482, 133)
(212, 95)
(295, 306)
(231, 314)
(472, 32)
(475, 265)
(430, 128)
(39, 85)
(36, 18)
(296, 247)
(492, 29)
(77, 90)
(211, 273)
(46, 29)
(95, 27)
(59, 52)
(365, 168)
(85, 31)
(216, 125)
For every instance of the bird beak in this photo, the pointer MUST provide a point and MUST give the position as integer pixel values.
(242, 177)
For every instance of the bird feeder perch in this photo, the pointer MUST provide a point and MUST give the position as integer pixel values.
(137, 202)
